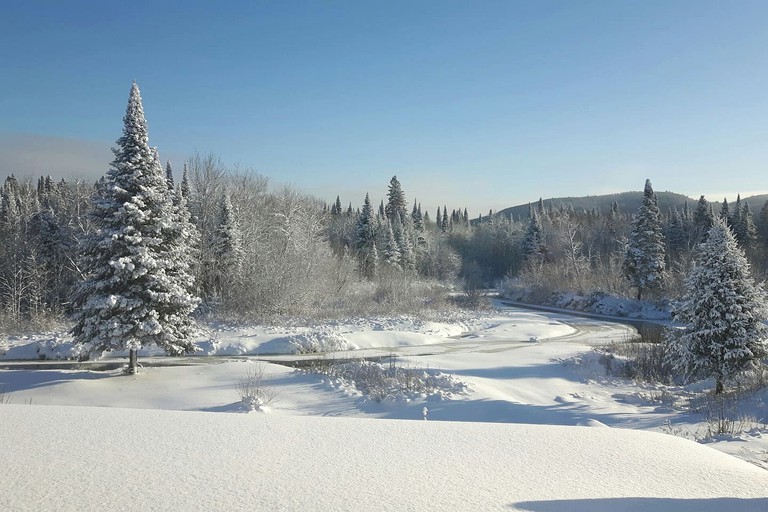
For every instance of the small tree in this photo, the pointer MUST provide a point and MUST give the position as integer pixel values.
(644, 257)
(723, 311)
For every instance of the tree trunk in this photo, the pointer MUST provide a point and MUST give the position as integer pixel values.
(639, 293)
(133, 362)
(718, 385)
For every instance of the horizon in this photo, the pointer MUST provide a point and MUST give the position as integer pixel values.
(483, 106)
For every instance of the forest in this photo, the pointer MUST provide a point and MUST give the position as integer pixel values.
(259, 252)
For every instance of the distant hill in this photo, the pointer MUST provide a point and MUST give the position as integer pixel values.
(629, 202)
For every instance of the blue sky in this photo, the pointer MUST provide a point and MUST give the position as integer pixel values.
(483, 104)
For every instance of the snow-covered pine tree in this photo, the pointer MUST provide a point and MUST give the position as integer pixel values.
(391, 253)
(169, 175)
(133, 293)
(365, 240)
(226, 252)
(445, 221)
(396, 203)
(702, 219)
(723, 312)
(745, 230)
(644, 257)
(185, 183)
(725, 212)
(534, 246)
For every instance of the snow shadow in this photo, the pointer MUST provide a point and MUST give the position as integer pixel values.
(12, 380)
(497, 411)
(646, 504)
(537, 371)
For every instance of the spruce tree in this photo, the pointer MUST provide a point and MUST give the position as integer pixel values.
(169, 175)
(725, 212)
(365, 240)
(133, 293)
(723, 312)
(644, 257)
(702, 219)
(396, 203)
(534, 246)
(391, 254)
(226, 251)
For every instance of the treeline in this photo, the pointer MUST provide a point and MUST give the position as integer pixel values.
(259, 252)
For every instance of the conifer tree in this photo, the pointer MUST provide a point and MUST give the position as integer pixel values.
(702, 219)
(365, 241)
(391, 254)
(133, 293)
(185, 183)
(725, 212)
(169, 175)
(723, 311)
(417, 218)
(762, 225)
(644, 258)
(396, 203)
(534, 246)
(445, 220)
(226, 251)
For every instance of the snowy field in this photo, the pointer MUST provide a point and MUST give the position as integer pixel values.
(517, 431)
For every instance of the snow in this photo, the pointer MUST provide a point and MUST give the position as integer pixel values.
(196, 461)
(536, 426)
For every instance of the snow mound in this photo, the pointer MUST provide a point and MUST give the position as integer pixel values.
(195, 461)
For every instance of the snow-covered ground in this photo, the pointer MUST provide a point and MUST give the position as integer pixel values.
(530, 385)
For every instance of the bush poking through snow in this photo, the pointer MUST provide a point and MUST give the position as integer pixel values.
(723, 414)
(254, 390)
(643, 359)
(379, 382)
(5, 398)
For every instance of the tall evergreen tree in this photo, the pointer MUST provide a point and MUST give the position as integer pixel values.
(133, 293)
(723, 311)
(534, 245)
(725, 212)
(702, 219)
(644, 257)
(169, 175)
(365, 241)
(226, 251)
(396, 203)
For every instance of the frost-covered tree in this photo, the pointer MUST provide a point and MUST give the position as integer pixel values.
(226, 252)
(396, 203)
(391, 253)
(723, 312)
(534, 246)
(169, 175)
(644, 257)
(134, 293)
(365, 240)
(702, 219)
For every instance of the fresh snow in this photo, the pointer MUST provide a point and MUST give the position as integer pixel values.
(518, 436)
(82, 459)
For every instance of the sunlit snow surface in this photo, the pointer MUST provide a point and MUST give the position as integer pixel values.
(531, 378)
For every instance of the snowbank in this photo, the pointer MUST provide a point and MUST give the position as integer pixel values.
(85, 458)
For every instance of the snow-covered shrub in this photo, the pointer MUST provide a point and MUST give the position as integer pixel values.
(318, 341)
(643, 358)
(380, 382)
(254, 390)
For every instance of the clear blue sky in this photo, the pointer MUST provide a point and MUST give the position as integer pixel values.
(484, 104)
